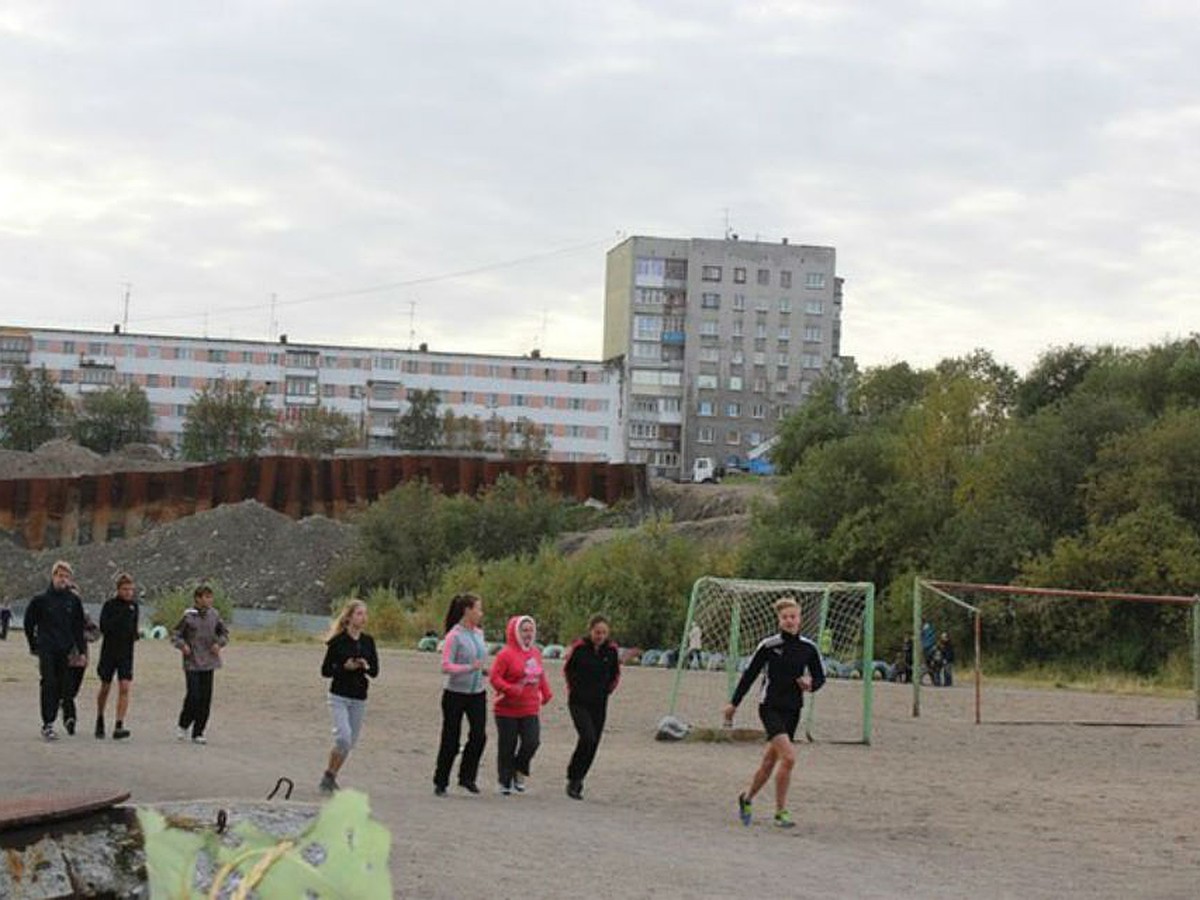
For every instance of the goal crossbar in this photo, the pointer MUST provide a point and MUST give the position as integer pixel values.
(948, 591)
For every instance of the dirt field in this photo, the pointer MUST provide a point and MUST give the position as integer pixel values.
(936, 808)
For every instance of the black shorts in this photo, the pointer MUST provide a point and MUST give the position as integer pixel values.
(779, 721)
(122, 666)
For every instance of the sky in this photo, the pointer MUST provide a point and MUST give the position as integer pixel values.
(1007, 175)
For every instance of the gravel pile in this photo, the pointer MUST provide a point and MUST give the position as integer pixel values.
(261, 557)
(65, 458)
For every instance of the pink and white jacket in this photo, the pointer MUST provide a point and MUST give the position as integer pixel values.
(518, 676)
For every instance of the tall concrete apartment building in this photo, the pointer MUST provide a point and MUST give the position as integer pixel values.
(577, 402)
(718, 341)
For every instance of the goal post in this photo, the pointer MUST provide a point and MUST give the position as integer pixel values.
(728, 617)
(1180, 620)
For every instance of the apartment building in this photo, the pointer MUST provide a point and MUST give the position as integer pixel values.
(718, 341)
(577, 402)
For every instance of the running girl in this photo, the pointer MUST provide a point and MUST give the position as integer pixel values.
(350, 659)
(592, 671)
(464, 660)
(521, 691)
(793, 666)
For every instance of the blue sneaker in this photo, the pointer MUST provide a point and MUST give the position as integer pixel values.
(745, 809)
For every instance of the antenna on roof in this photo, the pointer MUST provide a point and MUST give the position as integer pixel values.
(125, 316)
(412, 323)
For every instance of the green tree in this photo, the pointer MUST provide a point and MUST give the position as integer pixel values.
(228, 419)
(108, 420)
(1054, 376)
(818, 421)
(319, 431)
(37, 410)
(420, 427)
(884, 391)
(532, 440)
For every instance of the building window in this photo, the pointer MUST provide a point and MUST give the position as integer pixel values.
(704, 435)
(781, 360)
(764, 276)
(785, 279)
(708, 328)
(710, 273)
(670, 404)
(810, 360)
(812, 333)
(356, 392)
(704, 408)
(440, 368)
(710, 301)
(737, 358)
(650, 271)
(301, 387)
(733, 410)
(218, 356)
(644, 350)
(781, 387)
(733, 436)
(328, 390)
(706, 382)
(676, 269)
(519, 400)
(644, 430)
(758, 411)
(785, 333)
(735, 382)
(647, 328)
(760, 330)
(739, 302)
(577, 376)
(737, 327)
(649, 296)
(760, 385)
(814, 280)
(710, 354)
(814, 307)
(785, 305)
(739, 276)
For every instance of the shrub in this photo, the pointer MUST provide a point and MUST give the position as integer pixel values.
(391, 618)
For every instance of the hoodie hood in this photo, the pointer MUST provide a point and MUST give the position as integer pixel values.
(512, 636)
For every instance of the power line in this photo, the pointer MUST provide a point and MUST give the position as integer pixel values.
(391, 286)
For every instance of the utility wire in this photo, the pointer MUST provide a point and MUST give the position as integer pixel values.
(391, 286)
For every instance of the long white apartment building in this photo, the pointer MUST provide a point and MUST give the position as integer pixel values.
(719, 340)
(577, 402)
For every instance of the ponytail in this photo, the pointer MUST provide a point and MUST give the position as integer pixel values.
(458, 607)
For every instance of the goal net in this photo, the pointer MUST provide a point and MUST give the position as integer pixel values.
(1139, 652)
(726, 620)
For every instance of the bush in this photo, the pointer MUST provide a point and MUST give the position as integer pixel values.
(169, 607)
(391, 618)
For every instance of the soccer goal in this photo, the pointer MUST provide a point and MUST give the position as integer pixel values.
(1121, 634)
(726, 620)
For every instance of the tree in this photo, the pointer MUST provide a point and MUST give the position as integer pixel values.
(819, 421)
(420, 428)
(229, 419)
(318, 431)
(108, 420)
(1056, 374)
(532, 441)
(37, 410)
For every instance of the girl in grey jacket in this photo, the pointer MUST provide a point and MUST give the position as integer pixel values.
(464, 661)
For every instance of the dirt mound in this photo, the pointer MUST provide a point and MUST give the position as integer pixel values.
(263, 558)
(693, 502)
(63, 458)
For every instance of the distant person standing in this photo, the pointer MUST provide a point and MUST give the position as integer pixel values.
(350, 659)
(119, 628)
(200, 635)
(592, 671)
(5, 620)
(695, 642)
(521, 691)
(54, 624)
(946, 648)
(464, 662)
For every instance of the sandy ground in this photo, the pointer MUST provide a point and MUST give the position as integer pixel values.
(935, 808)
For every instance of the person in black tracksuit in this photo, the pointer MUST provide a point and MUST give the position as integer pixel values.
(54, 625)
(593, 672)
(791, 665)
(119, 626)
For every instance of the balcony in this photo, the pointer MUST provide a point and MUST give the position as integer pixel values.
(673, 337)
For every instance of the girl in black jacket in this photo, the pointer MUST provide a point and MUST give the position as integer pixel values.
(350, 659)
(593, 671)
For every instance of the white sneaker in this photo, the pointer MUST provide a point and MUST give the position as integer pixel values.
(518, 784)
(503, 789)
(199, 739)
(181, 734)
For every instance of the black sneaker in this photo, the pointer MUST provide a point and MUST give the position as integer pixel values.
(120, 732)
(439, 791)
(100, 728)
(575, 790)
(469, 786)
(70, 726)
(328, 783)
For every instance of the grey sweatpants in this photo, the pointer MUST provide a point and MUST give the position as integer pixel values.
(348, 715)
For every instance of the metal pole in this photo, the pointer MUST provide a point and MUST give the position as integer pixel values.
(683, 646)
(869, 653)
(824, 645)
(1196, 653)
(978, 666)
(731, 664)
(916, 649)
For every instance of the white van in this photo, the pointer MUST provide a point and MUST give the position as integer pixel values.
(705, 469)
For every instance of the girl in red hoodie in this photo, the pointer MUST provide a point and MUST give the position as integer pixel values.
(521, 690)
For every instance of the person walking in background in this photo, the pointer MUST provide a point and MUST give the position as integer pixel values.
(77, 662)
(350, 659)
(54, 625)
(521, 690)
(592, 671)
(200, 635)
(119, 628)
(792, 666)
(464, 661)
(5, 620)
(947, 650)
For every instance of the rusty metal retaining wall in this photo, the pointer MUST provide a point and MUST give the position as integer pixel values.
(51, 512)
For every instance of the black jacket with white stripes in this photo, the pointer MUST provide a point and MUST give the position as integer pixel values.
(785, 657)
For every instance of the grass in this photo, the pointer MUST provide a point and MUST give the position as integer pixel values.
(1172, 681)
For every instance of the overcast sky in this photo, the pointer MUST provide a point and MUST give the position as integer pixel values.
(1003, 174)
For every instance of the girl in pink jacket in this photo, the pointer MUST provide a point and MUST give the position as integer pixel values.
(521, 690)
